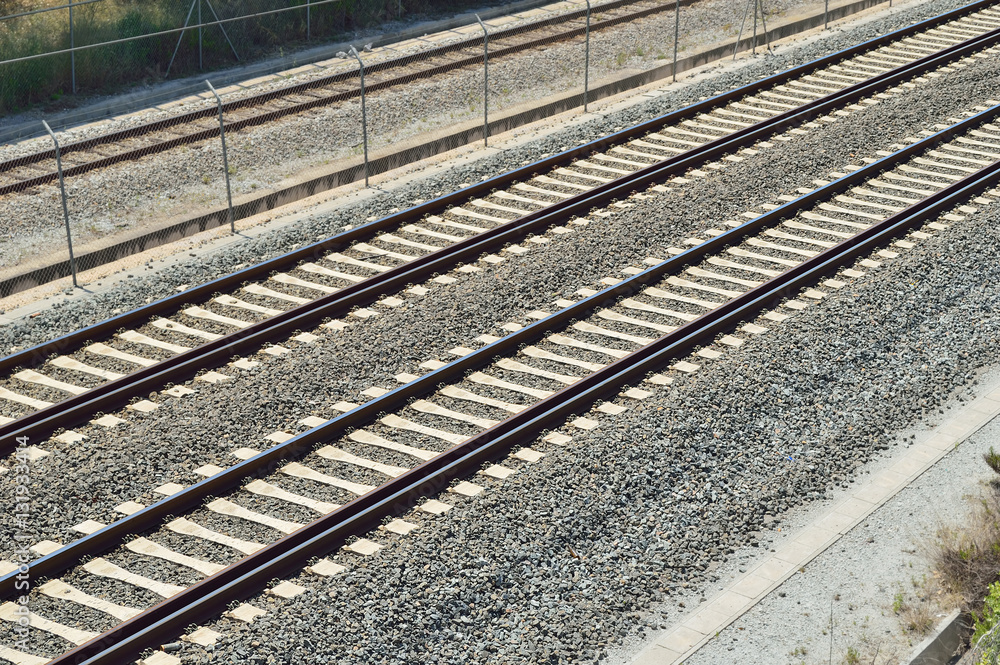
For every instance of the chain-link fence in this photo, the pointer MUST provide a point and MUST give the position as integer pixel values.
(288, 137)
(985, 650)
(51, 48)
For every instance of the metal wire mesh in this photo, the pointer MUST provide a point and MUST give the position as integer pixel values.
(986, 651)
(55, 47)
(422, 97)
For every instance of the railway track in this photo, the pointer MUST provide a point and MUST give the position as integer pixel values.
(63, 382)
(627, 317)
(436, 430)
(25, 172)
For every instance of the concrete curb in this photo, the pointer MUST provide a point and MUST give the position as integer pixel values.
(680, 641)
(942, 644)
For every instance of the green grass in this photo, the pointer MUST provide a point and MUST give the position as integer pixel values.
(102, 69)
(992, 459)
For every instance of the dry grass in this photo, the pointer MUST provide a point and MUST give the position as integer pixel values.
(871, 650)
(967, 558)
(918, 617)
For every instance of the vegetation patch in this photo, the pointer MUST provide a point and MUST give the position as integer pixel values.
(103, 69)
(968, 562)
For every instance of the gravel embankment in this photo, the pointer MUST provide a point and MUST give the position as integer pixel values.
(109, 467)
(495, 580)
(145, 193)
(876, 579)
(75, 315)
(275, 82)
(701, 28)
(651, 500)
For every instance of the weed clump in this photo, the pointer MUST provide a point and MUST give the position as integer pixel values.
(968, 558)
(993, 460)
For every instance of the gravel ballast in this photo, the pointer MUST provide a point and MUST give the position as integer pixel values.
(109, 467)
(872, 575)
(562, 559)
(161, 186)
(161, 284)
(554, 564)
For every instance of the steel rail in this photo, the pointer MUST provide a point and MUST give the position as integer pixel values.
(117, 393)
(56, 562)
(253, 205)
(10, 284)
(37, 354)
(213, 218)
(299, 88)
(212, 132)
(209, 597)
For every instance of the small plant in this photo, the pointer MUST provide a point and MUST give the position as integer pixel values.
(205, 179)
(986, 650)
(898, 603)
(918, 618)
(986, 639)
(993, 460)
(968, 558)
(852, 657)
(621, 58)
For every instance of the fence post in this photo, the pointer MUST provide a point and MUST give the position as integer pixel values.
(486, 82)
(763, 20)
(364, 112)
(586, 60)
(187, 20)
(72, 47)
(826, 14)
(200, 65)
(677, 32)
(62, 189)
(223, 29)
(225, 158)
(739, 38)
(308, 20)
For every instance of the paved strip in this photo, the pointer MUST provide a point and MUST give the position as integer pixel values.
(682, 640)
